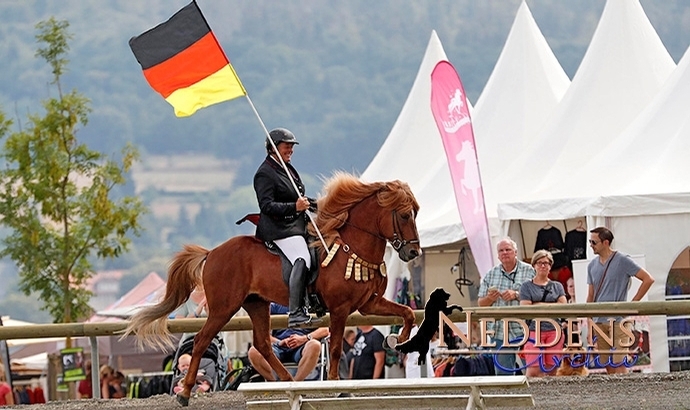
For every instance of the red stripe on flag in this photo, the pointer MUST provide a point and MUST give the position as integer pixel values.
(188, 67)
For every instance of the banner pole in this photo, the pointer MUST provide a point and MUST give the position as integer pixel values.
(287, 171)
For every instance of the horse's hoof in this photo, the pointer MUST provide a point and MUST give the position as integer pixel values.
(184, 401)
(392, 341)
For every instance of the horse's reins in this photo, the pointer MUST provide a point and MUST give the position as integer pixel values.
(363, 269)
(397, 242)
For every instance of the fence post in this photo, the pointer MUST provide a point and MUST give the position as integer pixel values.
(95, 368)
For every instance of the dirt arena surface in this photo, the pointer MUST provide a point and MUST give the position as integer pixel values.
(597, 392)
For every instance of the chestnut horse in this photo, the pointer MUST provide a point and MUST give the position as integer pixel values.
(356, 220)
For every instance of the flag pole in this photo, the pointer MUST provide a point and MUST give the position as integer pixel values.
(263, 126)
(182, 26)
(287, 171)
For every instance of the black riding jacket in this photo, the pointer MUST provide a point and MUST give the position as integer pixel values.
(277, 197)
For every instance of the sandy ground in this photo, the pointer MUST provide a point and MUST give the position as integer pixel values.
(634, 391)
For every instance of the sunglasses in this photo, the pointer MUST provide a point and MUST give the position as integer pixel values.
(592, 242)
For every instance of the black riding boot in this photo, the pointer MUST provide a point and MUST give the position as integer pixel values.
(298, 312)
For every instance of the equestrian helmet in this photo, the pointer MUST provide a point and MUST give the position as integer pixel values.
(279, 135)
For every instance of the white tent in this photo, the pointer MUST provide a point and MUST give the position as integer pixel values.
(412, 147)
(7, 321)
(526, 76)
(636, 183)
(624, 67)
(38, 361)
(525, 86)
(644, 198)
(414, 135)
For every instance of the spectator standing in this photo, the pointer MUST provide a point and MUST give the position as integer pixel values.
(608, 278)
(414, 370)
(297, 345)
(368, 355)
(195, 306)
(579, 328)
(6, 395)
(349, 336)
(348, 342)
(538, 291)
(501, 287)
(85, 387)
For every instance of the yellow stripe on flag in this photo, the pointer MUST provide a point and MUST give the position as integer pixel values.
(223, 85)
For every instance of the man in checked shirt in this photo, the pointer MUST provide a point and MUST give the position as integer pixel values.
(501, 287)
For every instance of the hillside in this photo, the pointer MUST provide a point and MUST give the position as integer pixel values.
(336, 73)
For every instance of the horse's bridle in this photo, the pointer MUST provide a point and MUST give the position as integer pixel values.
(398, 241)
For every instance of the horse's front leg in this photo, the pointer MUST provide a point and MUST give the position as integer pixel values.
(335, 348)
(384, 307)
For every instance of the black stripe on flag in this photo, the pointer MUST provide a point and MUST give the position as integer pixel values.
(169, 38)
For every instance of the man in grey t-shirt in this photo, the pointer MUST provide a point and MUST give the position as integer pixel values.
(608, 277)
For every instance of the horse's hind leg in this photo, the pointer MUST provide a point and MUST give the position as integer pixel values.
(384, 307)
(259, 312)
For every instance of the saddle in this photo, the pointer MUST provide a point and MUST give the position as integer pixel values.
(314, 303)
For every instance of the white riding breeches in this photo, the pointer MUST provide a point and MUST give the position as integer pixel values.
(294, 247)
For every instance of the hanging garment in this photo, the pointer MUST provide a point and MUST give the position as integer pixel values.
(549, 238)
(576, 244)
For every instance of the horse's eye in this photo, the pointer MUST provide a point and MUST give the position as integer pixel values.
(405, 216)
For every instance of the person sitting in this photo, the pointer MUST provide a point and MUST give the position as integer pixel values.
(111, 383)
(298, 345)
(203, 382)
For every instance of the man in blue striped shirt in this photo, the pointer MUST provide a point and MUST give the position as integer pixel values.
(501, 287)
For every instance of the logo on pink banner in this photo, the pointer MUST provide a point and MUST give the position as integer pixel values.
(452, 115)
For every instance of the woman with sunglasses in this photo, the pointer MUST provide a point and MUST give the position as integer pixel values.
(540, 360)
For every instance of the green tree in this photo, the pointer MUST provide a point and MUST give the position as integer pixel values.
(56, 194)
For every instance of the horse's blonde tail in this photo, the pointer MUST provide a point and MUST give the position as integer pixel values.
(151, 324)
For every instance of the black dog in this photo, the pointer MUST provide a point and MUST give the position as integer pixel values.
(438, 302)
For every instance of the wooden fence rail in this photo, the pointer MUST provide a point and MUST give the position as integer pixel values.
(655, 308)
(92, 330)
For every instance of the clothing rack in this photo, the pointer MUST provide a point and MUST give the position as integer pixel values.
(29, 382)
(148, 374)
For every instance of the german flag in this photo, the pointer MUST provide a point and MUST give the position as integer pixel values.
(184, 63)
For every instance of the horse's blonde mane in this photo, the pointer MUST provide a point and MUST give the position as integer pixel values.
(342, 191)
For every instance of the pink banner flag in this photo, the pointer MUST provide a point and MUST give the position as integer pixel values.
(452, 115)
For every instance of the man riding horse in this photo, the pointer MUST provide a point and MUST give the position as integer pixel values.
(283, 218)
(357, 219)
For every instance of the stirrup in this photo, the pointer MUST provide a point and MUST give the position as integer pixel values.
(301, 319)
